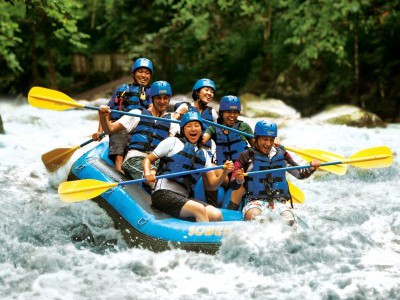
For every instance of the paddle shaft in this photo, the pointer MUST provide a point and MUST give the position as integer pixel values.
(344, 161)
(172, 175)
(133, 114)
(92, 140)
(229, 128)
(173, 120)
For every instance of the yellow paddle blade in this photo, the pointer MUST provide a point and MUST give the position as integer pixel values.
(80, 190)
(55, 159)
(377, 157)
(296, 193)
(323, 156)
(51, 99)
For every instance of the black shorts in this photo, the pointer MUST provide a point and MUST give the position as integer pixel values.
(118, 143)
(171, 202)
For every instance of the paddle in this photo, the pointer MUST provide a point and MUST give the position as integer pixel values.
(80, 190)
(55, 100)
(377, 157)
(307, 155)
(296, 193)
(323, 156)
(55, 159)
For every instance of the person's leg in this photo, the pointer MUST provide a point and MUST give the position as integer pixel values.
(194, 209)
(252, 214)
(133, 167)
(236, 198)
(179, 206)
(286, 213)
(117, 146)
(213, 213)
(118, 163)
(253, 209)
(210, 191)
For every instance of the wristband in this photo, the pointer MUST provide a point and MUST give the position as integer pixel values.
(239, 181)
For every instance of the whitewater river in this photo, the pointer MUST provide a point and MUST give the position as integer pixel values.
(350, 251)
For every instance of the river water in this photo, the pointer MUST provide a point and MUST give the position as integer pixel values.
(350, 251)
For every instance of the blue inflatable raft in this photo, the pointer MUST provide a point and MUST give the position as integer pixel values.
(141, 224)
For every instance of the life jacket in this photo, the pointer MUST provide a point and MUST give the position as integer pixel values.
(128, 97)
(149, 133)
(268, 185)
(206, 114)
(186, 159)
(230, 145)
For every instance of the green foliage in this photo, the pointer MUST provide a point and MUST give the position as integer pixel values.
(9, 41)
(309, 52)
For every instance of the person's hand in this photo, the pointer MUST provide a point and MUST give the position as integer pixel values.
(183, 110)
(104, 110)
(96, 136)
(315, 164)
(277, 142)
(239, 175)
(228, 166)
(150, 178)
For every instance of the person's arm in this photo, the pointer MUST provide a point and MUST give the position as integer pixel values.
(206, 137)
(214, 115)
(174, 129)
(237, 177)
(96, 135)
(247, 129)
(302, 173)
(105, 122)
(148, 173)
(208, 134)
(215, 179)
(180, 111)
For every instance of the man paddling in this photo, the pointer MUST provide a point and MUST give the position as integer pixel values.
(146, 133)
(126, 98)
(265, 192)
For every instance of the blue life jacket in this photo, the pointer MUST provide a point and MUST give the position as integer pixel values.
(268, 185)
(185, 160)
(133, 98)
(230, 145)
(206, 114)
(149, 133)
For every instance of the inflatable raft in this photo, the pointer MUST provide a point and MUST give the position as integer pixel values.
(141, 224)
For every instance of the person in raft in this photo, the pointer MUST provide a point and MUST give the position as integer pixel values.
(228, 143)
(146, 133)
(126, 98)
(203, 93)
(265, 192)
(181, 154)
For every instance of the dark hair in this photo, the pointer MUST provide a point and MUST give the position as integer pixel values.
(181, 134)
(195, 94)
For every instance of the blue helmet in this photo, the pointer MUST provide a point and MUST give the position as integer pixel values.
(142, 63)
(191, 116)
(264, 128)
(205, 82)
(230, 103)
(160, 88)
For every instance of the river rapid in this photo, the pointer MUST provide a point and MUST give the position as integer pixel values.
(351, 249)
